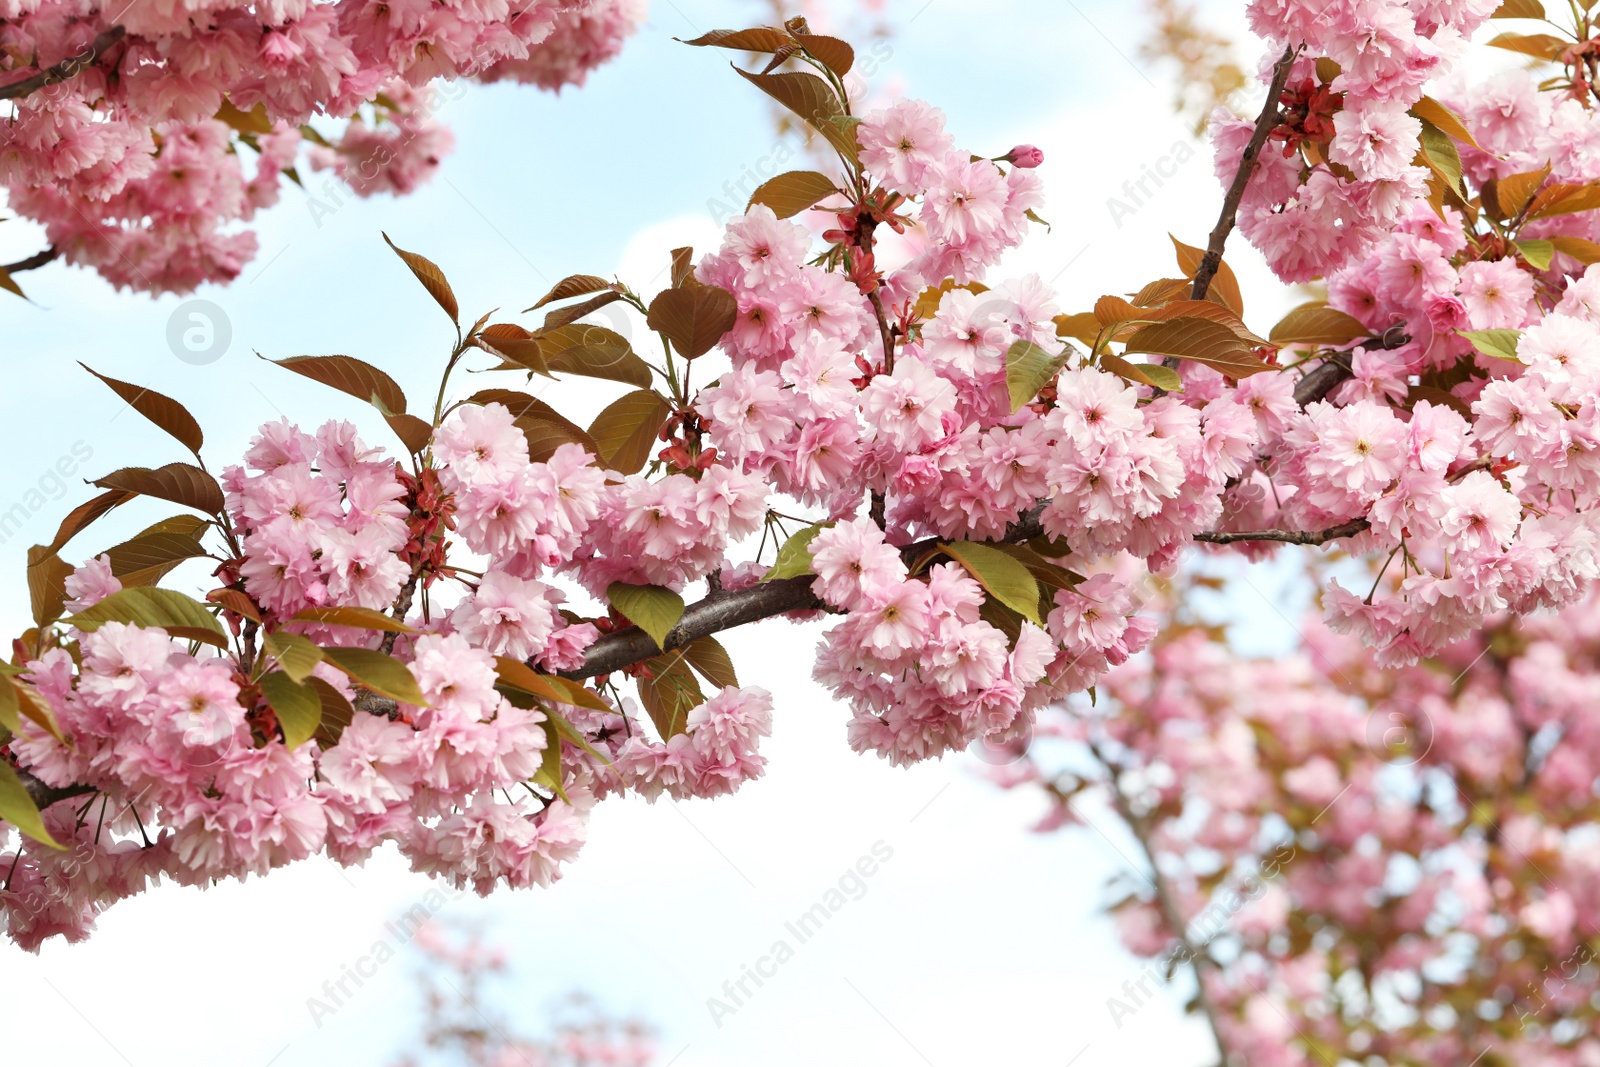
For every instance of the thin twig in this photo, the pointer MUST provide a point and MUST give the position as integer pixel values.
(65, 69)
(1265, 124)
(1167, 903)
(33, 262)
(1288, 537)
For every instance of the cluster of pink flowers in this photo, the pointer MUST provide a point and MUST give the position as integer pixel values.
(1418, 823)
(986, 551)
(133, 162)
(1309, 220)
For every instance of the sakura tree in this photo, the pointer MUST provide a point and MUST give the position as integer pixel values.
(462, 1025)
(1355, 861)
(459, 648)
(131, 122)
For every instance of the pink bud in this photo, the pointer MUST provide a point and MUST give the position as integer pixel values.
(1025, 156)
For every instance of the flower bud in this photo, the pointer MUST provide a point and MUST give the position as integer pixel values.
(1025, 156)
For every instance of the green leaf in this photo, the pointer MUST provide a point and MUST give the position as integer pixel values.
(707, 656)
(1497, 344)
(432, 279)
(794, 558)
(297, 655)
(382, 674)
(814, 101)
(649, 607)
(18, 701)
(145, 559)
(1537, 253)
(793, 192)
(520, 676)
(359, 618)
(1028, 368)
(549, 773)
(669, 694)
(164, 411)
(1006, 579)
(298, 707)
(1201, 340)
(626, 430)
(18, 809)
(1440, 152)
(1430, 110)
(147, 606)
(181, 483)
(1163, 378)
(1317, 323)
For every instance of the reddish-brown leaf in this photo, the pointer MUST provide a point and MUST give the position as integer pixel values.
(694, 317)
(432, 279)
(84, 514)
(814, 101)
(1224, 284)
(235, 602)
(793, 192)
(181, 483)
(831, 52)
(350, 375)
(574, 312)
(412, 431)
(1201, 340)
(570, 286)
(47, 590)
(594, 352)
(682, 265)
(756, 39)
(162, 410)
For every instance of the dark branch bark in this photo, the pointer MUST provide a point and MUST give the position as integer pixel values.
(1288, 537)
(45, 795)
(1265, 124)
(33, 262)
(65, 69)
(1335, 369)
(720, 610)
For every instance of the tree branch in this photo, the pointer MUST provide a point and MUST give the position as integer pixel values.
(1288, 537)
(65, 69)
(1336, 368)
(720, 610)
(33, 262)
(1167, 903)
(1265, 124)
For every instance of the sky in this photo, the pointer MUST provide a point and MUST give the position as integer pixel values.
(974, 940)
